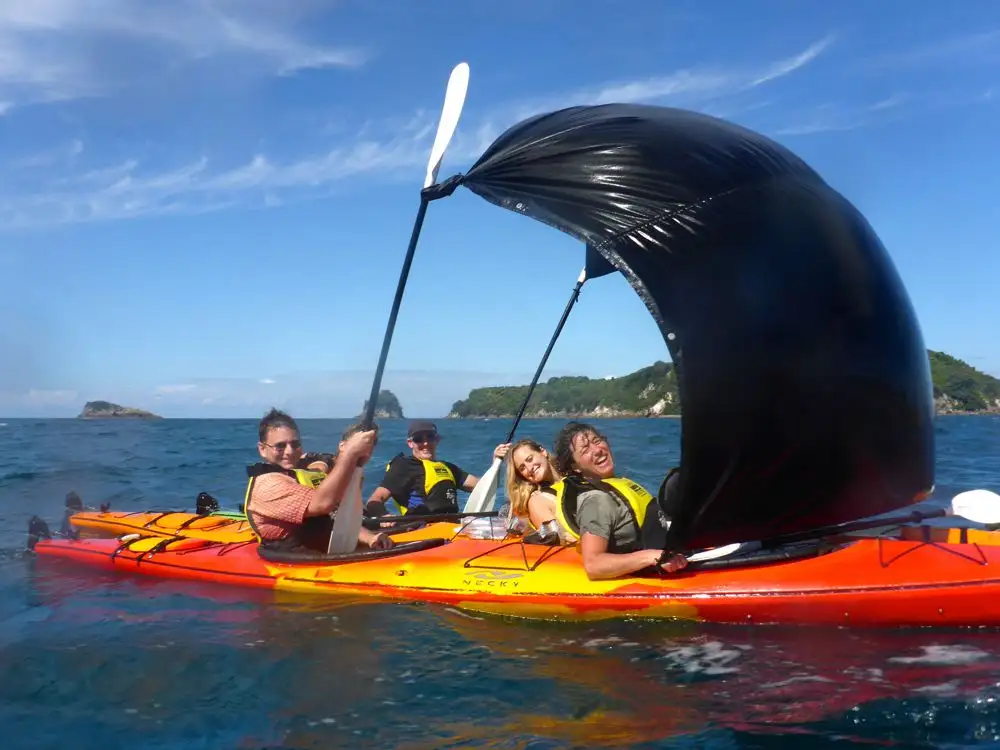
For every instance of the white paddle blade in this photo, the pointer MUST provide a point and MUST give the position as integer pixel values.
(454, 100)
(484, 494)
(717, 552)
(347, 522)
(981, 506)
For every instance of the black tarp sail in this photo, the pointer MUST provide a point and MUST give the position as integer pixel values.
(804, 382)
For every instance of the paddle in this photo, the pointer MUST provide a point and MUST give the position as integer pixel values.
(484, 494)
(347, 525)
(978, 506)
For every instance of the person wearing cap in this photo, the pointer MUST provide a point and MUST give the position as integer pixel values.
(420, 483)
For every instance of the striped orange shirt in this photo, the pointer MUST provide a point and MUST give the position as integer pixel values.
(278, 505)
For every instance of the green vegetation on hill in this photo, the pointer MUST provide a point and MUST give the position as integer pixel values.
(387, 406)
(959, 387)
(652, 391)
(108, 410)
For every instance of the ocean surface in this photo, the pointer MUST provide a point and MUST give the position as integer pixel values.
(90, 660)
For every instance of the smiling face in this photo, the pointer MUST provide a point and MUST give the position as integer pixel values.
(424, 445)
(532, 465)
(592, 455)
(282, 447)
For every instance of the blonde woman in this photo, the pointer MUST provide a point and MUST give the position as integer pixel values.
(530, 474)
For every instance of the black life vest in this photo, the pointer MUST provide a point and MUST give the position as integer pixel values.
(313, 533)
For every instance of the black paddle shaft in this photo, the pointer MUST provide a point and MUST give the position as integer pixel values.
(915, 516)
(428, 194)
(541, 365)
(369, 418)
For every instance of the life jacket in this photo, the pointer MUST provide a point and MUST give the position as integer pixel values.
(642, 507)
(313, 533)
(440, 490)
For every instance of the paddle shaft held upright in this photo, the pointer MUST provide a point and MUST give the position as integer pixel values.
(545, 357)
(369, 417)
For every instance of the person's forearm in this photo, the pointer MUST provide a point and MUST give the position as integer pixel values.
(610, 565)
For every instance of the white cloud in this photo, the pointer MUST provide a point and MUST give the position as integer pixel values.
(164, 390)
(128, 190)
(64, 49)
(791, 64)
(699, 86)
(64, 153)
(45, 398)
(304, 394)
(833, 117)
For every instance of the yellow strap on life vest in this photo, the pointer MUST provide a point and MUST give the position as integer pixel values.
(625, 490)
(436, 472)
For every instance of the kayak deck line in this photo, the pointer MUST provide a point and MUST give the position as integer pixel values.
(869, 581)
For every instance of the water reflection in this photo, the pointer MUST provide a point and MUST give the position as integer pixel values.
(98, 658)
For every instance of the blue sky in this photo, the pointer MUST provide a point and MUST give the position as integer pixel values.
(205, 203)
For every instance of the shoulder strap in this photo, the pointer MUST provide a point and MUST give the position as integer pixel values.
(258, 469)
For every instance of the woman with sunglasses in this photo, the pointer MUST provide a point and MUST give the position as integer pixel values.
(420, 483)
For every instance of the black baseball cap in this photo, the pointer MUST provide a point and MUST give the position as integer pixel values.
(420, 425)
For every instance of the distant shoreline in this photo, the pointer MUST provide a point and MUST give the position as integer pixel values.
(439, 419)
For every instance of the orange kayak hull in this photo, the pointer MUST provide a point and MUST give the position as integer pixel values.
(869, 582)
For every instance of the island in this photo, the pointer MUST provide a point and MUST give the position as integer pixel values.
(652, 392)
(959, 388)
(387, 406)
(649, 392)
(108, 410)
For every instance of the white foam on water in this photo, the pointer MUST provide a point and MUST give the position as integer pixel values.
(796, 678)
(873, 674)
(711, 658)
(598, 642)
(947, 688)
(954, 655)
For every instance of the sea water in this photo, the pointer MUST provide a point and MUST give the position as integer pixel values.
(92, 660)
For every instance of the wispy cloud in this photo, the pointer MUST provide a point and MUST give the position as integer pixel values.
(830, 117)
(973, 48)
(690, 86)
(62, 49)
(842, 116)
(387, 149)
(784, 67)
(61, 153)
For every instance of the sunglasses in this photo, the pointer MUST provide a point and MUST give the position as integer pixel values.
(424, 437)
(280, 447)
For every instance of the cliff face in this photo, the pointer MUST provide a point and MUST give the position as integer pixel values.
(652, 392)
(387, 406)
(108, 410)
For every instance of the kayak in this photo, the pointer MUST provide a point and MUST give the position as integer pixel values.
(862, 582)
(217, 527)
(229, 526)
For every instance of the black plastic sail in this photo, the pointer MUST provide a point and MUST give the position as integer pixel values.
(804, 381)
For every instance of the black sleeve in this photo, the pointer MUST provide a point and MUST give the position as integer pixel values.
(326, 458)
(460, 474)
(399, 479)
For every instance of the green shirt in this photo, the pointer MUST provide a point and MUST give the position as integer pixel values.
(602, 514)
